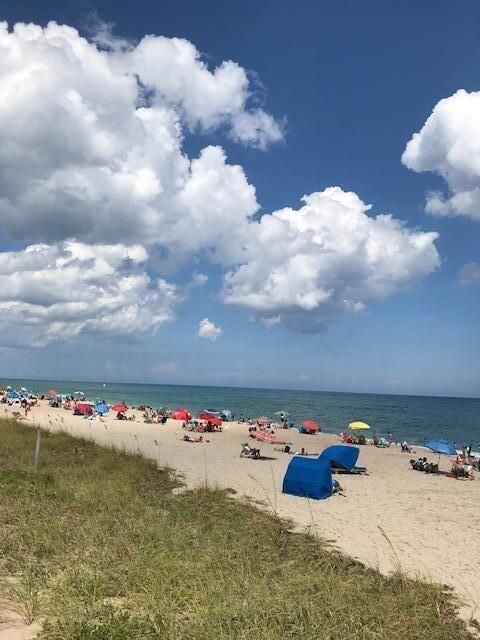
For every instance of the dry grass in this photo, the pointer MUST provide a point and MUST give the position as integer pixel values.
(100, 542)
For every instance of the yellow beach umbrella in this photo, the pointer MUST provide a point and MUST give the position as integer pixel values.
(358, 426)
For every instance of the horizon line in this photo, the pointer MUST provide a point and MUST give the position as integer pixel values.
(214, 386)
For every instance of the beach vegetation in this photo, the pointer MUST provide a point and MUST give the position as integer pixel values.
(104, 546)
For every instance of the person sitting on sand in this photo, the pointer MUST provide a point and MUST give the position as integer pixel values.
(189, 438)
(406, 447)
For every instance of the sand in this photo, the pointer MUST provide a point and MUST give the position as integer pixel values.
(393, 517)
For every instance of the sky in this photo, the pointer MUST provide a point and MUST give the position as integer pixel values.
(270, 194)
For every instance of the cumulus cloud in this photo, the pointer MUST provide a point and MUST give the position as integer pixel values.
(92, 160)
(449, 145)
(306, 267)
(55, 293)
(208, 330)
(91, 140)
(469, 274)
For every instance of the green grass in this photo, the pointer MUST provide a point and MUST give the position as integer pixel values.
(99, 544)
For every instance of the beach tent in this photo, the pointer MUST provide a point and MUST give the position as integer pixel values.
(181, 414)
(226, 414)
(13, 395)
(308, 478)
(339, 455)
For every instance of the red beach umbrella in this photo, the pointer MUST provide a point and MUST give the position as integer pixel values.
(120, 408)
(84, 409)
(53, 393)
(206, 416)
(215, 421)
(181, 414)
(311, 425)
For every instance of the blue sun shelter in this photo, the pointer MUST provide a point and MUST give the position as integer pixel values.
(341, 456)
(308, 478)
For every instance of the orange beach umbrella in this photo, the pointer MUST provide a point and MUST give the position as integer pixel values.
(311, 425)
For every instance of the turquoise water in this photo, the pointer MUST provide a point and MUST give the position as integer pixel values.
(410, 417)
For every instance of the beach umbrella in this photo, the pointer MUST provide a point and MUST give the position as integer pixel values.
(102, 408)
(358, 426)
(263, 420)
(441, 447)
(269, 438)
(53, 393)
(311, 426)
(215, 421)
(205, 415)
(281, 413)
(181, 414)
(120, 408)
(84, 408)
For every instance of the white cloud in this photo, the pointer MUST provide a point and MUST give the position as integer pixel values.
(309, 266)
(208, 330)
(55, 293)
(91, 140)
(449, 145)
(469, 274)
(257, 128)
(92, 159)
(198, 280)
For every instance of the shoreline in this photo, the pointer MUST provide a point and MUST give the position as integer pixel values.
(392, 516)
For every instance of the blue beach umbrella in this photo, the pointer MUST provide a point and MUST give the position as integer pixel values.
(441, 446)
(102, 408)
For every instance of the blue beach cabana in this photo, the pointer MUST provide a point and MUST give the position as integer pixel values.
(341, 456)
(308, 478)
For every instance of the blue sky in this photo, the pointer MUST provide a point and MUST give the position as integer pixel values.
(348, 84)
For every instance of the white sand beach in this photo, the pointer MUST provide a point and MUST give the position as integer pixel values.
(393, 517)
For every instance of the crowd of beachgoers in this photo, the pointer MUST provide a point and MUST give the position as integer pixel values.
(263, 429)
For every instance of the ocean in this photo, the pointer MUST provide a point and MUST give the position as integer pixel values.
(411, 417)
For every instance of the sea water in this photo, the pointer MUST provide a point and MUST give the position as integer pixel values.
(413, 418)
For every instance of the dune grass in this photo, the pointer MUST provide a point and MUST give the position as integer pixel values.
(103, 547)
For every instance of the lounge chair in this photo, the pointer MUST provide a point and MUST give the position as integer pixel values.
(249, 452)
